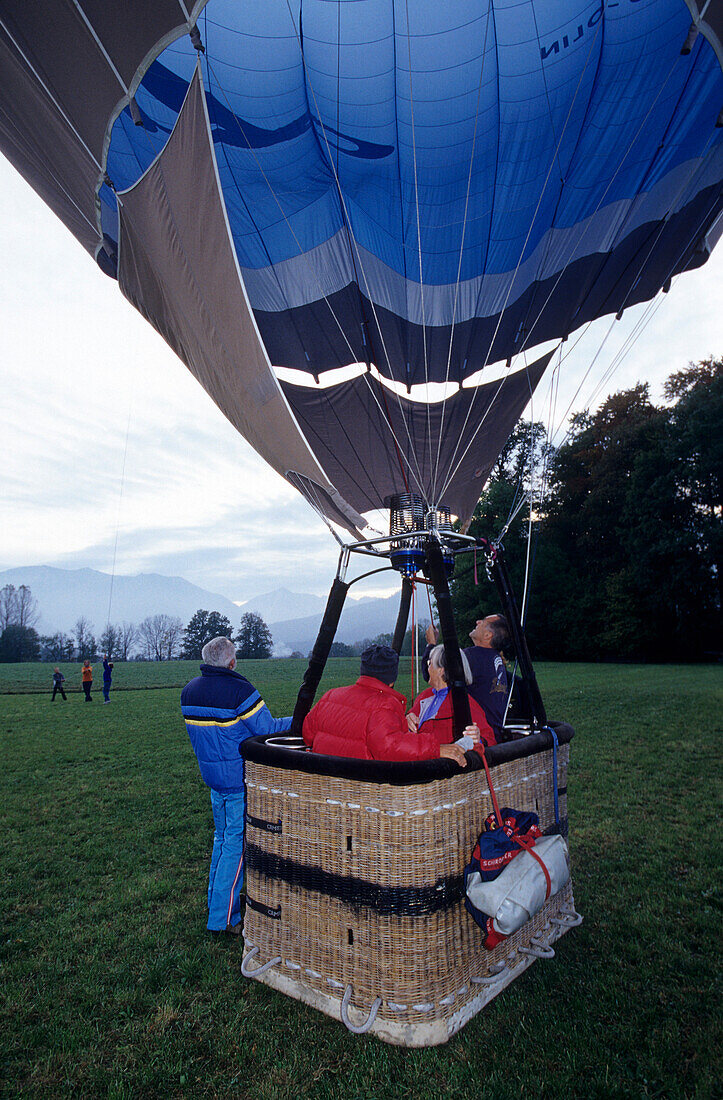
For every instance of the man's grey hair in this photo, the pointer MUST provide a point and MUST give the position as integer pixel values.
(438, 660)
(500, 633)
(219, 652)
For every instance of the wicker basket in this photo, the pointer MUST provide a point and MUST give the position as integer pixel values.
(355, 890)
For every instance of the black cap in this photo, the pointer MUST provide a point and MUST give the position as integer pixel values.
(381, 662)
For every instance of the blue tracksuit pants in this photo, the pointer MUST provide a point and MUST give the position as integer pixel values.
(227, 860)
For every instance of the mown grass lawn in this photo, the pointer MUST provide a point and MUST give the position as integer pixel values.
(111, 987)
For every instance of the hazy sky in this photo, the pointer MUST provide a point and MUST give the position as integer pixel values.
(106, 435)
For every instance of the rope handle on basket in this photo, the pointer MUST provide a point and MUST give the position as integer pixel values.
(363, 1028)
(538, 949)
(518, 840)
(570, 919)
(493, 977)
(248, 973)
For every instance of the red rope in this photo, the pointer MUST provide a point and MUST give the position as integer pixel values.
(495, 803)
(528, 847)
(414, 639)
(429, 600)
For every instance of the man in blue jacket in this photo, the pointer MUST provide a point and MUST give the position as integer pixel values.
(221, 709)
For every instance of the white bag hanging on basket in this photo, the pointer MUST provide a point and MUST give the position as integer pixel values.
(520, 890)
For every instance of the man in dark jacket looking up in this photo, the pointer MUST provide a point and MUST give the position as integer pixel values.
(221, 709)
(489, 685)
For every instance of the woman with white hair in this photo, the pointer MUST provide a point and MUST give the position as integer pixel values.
(432, 710)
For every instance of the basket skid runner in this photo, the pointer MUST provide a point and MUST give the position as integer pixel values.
(355, 896)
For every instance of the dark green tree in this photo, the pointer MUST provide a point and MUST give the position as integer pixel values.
(697, 417)
(56, 647)
(19, 643)
(626, 543)
(518, 471)
(620, 571)
(341, 649)
(204, 626)
(406, 650)
(109, 641)
(254, 638)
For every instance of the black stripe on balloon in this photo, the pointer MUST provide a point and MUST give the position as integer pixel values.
(588, 287)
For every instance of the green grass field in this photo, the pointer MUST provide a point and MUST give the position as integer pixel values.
(112, 988)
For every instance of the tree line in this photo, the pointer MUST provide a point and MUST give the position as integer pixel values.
(157, 638)
(626, 543)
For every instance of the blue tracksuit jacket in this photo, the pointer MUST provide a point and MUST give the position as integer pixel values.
(221, 709)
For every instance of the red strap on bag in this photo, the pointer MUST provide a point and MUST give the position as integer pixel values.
(518, 840)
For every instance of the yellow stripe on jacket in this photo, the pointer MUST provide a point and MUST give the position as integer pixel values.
(227, 722)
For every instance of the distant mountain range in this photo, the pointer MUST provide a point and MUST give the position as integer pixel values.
(63, 595)
(360, 619)
(282, 604)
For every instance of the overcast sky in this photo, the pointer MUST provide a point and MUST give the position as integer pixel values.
(106, 435)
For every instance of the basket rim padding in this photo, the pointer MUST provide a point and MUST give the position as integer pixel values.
(398, 774)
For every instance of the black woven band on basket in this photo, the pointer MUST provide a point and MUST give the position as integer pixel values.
(397, 900)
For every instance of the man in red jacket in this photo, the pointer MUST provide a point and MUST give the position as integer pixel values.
(367, 720)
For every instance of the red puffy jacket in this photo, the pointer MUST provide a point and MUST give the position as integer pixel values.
(366, 720)
(440, 727)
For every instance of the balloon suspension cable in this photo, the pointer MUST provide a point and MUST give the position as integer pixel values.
(118, 511)
(316, 279)
(640, 325)
(419, 225)
(576, 245)
(514, 277)
(357, 263)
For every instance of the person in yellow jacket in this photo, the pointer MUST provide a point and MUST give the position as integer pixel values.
(87, 678)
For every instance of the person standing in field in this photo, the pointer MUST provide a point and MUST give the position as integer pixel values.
(58, 681)
(221, 709)
(87, 680)
(107, 677)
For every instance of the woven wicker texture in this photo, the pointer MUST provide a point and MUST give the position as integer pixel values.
(364, 882)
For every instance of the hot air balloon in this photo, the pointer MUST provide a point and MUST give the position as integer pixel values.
(365, 227)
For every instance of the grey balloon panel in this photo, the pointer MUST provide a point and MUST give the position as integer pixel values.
(39, 143)
(61, 87)
(63, 50)
(177, 267)
(372, 443)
